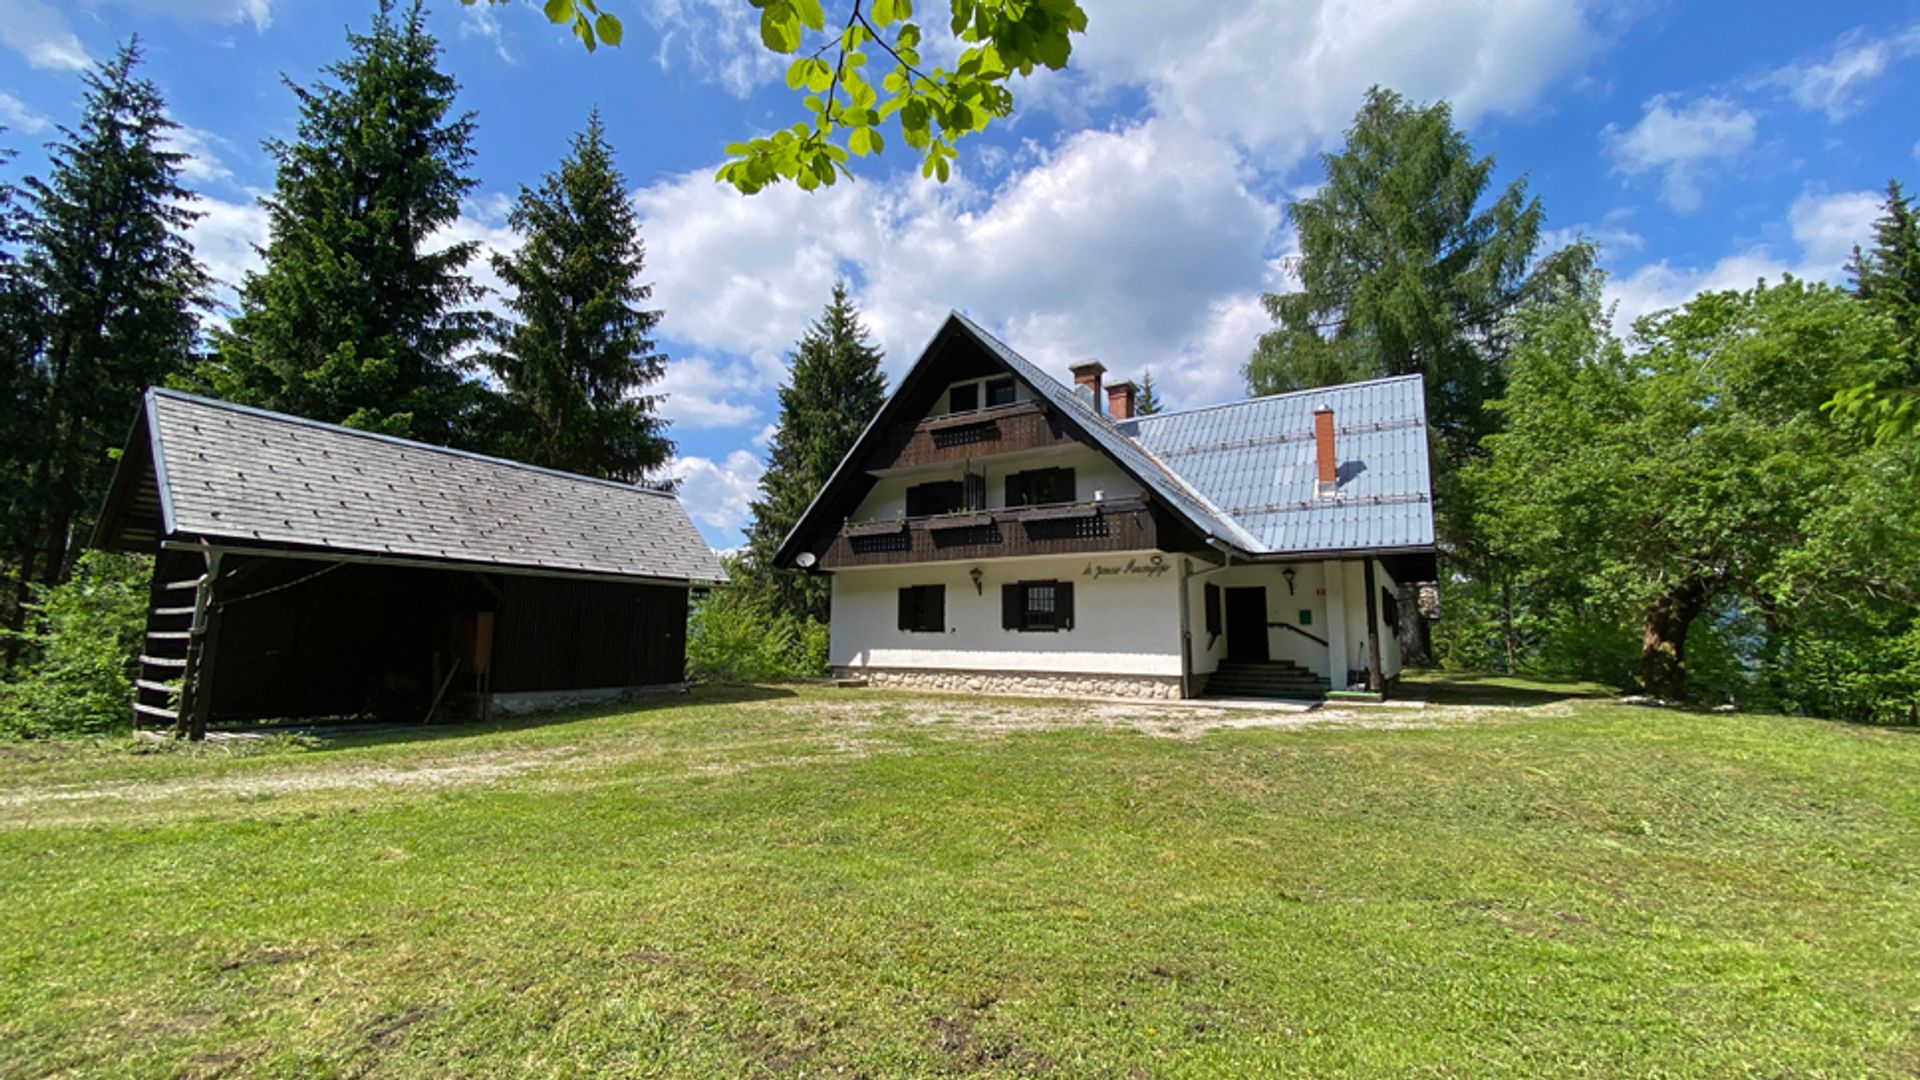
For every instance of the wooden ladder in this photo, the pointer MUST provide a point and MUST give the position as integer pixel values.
(172, 600)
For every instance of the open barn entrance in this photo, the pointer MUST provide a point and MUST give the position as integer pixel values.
(285, 637)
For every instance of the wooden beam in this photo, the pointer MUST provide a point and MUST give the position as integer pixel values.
(1374, 682)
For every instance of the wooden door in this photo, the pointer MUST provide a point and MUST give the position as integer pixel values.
(1247, 624)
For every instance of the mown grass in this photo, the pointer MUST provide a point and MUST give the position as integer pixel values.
(826, 882)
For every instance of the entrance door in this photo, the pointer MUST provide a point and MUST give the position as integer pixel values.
(1247, 625)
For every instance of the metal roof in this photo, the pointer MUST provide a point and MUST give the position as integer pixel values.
(1255, 461)
(229, 472)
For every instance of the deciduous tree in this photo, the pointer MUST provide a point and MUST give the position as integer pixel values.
(1660, 483)
(575, 355)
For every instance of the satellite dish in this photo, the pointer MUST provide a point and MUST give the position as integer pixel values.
(805, 560)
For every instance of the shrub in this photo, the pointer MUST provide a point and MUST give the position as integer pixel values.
(733, 638)
(82, 638)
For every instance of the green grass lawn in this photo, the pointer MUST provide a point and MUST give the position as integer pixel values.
(817, 882)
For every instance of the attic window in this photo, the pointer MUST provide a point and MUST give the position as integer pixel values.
(999, 392)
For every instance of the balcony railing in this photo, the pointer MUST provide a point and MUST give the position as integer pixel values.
(1023, 425)
(1052, 529)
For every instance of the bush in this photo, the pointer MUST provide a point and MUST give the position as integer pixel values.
(733, 638)
(76, 677)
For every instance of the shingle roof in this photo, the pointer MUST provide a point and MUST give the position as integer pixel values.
(228, 472)
(1254, 460)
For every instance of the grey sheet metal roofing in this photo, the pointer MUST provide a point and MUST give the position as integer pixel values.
(1255, 460)
(1244, 471)
(233, 473)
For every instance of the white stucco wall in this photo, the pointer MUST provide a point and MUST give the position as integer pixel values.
(1093, 471)
(1334, 593)
(1124, 624)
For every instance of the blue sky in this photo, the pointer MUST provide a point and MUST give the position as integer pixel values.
(1133, 212)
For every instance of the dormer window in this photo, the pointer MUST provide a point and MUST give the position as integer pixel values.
(976, 394)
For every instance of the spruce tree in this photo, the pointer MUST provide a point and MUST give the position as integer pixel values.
(115, 296)
(1403, 269)
(575, 352)
(1149, 402)
(834, 390)
(352, 320)
(1886, 276)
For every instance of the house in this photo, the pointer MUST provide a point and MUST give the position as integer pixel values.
(994, 529)
(303, 569)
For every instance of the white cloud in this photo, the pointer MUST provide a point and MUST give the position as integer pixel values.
(225, 237)
(481, 21)
(1839, 84)
(1681, 143)
(1611, 234)
(1133, 246)
(719, 40)
(201, 164)
(19, 116)
(39, 31)
(1824, 228)
(718, 494)
(1285, 78)
(703, 394)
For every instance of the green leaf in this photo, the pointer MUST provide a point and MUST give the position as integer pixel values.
(857, 140)
(609, 29)
(780, 27)
(882, 12)
(811, 14)
(559, 12)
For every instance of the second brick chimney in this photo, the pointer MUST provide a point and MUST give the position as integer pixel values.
(1121, 398)
(1327, 480)
(1087, 373)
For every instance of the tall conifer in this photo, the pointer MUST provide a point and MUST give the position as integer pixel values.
(353, 319)
(834, 390)
(575, 352)
(115, 294)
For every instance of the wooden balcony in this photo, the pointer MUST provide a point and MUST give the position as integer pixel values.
(1057, 529)
(1024, 425)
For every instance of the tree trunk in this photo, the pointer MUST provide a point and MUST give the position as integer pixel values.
(1663, 640)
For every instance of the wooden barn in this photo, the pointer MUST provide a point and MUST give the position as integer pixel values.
(306, 570)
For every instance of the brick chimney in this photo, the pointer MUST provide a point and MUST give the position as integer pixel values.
(1327, 483)
(1121, 397)
(1087, 373)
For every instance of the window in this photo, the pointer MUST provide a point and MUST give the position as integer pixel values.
(1037, 487)
(923, 609)
(999, 392)
(1037, 606)
(947, 496)
(964, 397)
(938, 497)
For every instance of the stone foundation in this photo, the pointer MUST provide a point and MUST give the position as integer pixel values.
(1019, 683)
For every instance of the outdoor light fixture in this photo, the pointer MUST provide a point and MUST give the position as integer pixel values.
(1288, 574)
(976, 575)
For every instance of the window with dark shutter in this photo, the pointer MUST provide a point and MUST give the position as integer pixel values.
(938, 497)
(964, 397)
(999, 392)
(1038, 487)
(1037, 606)
(923, 609)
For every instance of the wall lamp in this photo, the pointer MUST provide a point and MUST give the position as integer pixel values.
(977, 575)
(1288, 574)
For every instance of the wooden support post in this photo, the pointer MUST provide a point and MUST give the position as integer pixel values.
(196, 687)
(1374, 682)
